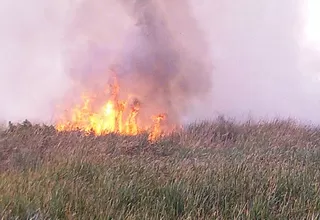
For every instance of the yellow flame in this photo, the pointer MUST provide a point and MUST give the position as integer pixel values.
(109, 118)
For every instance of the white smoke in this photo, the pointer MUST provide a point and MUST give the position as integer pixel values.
(31, 63)
(264, 63)
(263, 67)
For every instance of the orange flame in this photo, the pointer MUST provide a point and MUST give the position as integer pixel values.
(132, 127)
(110, 117)
(156, 132)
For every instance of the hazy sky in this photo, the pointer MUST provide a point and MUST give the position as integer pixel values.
(263, 65)
(265, 54)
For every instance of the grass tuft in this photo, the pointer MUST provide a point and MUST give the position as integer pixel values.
(210, 170)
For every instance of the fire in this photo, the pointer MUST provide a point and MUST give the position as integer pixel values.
(156, 131)
(131, 125)
(110, 117)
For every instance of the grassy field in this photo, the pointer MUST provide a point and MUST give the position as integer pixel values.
(211, 170)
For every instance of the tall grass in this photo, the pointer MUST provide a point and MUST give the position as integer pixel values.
(210, 170)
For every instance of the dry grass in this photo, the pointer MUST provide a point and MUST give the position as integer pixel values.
(218, 170)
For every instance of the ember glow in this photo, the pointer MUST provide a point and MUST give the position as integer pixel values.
(109, 117)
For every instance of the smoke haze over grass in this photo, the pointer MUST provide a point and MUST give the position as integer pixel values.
(262, 66)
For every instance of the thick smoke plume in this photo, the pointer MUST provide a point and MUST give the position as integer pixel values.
(170, 58)
(164, 62)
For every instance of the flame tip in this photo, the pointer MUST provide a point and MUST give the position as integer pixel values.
(110, 117)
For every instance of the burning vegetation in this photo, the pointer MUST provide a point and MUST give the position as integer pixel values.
(163, 68)
(109, 117)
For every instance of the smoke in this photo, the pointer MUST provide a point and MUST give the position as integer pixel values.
(263, 67)
(32, 76)
(169, 58)
(159, 61)
(194, 59)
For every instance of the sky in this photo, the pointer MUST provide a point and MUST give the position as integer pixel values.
(264, 66)
(312, 29)
(265, 54)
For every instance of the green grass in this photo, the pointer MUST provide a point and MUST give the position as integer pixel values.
(211, 170)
